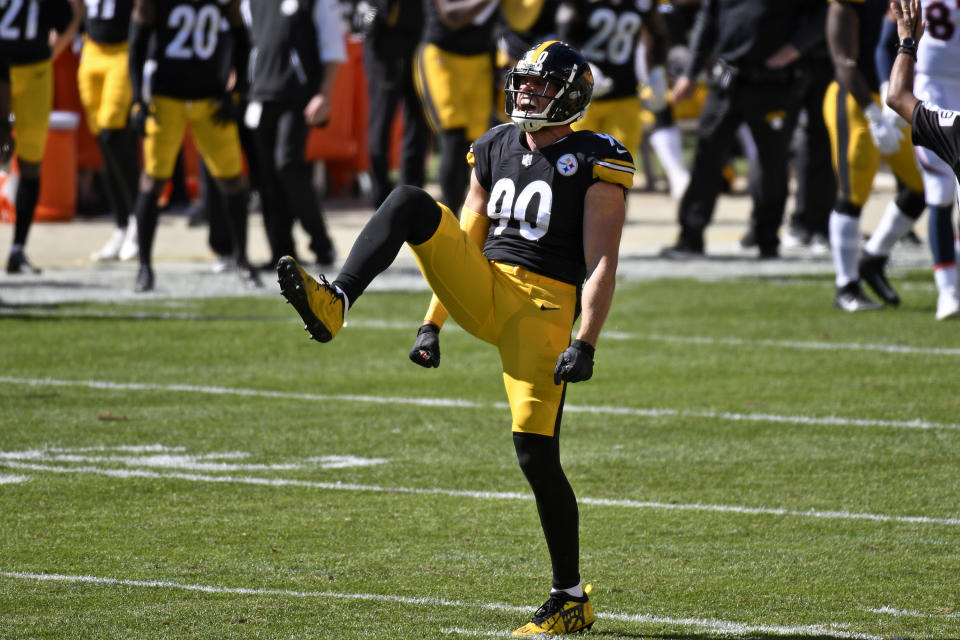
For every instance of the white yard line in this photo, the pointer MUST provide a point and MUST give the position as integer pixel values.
(469, 404)
(913, 614)
(478, 495)
(808, 345)
(6, 478)
(719, 627)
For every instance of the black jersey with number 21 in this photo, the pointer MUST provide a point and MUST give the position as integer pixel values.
(537, 197)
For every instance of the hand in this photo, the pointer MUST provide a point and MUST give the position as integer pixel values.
(139, 112)
(602, 84)
(426, 349)
(657, 81)
(885, 135)
(909, 15)
(682, 89)
(225, 111)
(575, 364)
(317, 111)
(782, 57)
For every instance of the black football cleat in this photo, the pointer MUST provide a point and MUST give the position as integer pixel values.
(144, 279)
(560, 615)
(851, 299)
(320, 305)
(17, 263)
(872, 271)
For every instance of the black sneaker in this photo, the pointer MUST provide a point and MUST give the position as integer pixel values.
(144, 279)
(561, 614)
(18, 263)
(871, 270)
(850, 298)
(682, 251)
(248, 275)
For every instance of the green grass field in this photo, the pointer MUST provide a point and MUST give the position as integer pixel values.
(749, 463)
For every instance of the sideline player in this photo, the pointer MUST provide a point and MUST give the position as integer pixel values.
(537, 240)
(454, 79)
(859, 136)
(25, 43)
(187, 85)
(104, 82)
(608, 33)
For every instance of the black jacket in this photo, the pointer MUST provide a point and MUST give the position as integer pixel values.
(744, 33)
(285, 62)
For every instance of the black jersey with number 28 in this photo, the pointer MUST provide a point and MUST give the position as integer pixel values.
(537, 197)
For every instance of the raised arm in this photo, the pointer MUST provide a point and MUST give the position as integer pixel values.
(910, 24)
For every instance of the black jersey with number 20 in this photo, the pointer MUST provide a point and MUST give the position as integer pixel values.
(190, 48)
(537, 197)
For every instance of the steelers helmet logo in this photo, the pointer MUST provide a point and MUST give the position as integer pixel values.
(567, 164)
(289, 7)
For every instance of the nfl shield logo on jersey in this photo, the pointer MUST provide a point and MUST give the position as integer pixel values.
(567, 164)
(527, 159)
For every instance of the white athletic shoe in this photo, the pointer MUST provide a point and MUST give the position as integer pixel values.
(948, 304)
(678, 183)
(131, 246)
(111, 250)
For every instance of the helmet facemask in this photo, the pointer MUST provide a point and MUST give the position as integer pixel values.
(562, 72)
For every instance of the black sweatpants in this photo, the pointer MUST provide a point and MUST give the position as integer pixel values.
(767, 109)
(388, 59)
(286, 180)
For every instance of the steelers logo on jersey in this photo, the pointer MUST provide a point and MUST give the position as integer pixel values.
(567, 164)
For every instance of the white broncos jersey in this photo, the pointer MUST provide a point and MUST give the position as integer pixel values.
(939, 51)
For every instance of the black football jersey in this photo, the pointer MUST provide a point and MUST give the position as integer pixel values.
(939, 130)
(537, 197)
(607, 33)
(108, 21)
(25, 28)
(191, 39)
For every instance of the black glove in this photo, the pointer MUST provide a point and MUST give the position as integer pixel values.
(575, 364)
(426, 350)
(139, 112)
(225, 111)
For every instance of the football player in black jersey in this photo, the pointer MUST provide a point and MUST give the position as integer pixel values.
(104, 82)
(537, 242)
(187, 84)
(25, 44)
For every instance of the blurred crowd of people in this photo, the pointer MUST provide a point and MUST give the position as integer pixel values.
(794, 87)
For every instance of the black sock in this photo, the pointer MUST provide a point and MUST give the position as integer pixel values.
(409, 215)
(28, 193)
(237, 223)
(120, 166)
(539, 458)
(146, 210)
